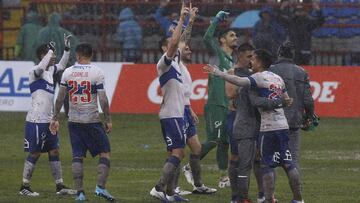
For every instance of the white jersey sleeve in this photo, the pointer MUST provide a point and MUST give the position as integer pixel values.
(165, 62)
(256, 79)
(63, 62)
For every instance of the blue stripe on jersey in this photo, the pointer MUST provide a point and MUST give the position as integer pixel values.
(265, 92)
(172, 73)
(41, 84)
(100, 86)
(252, 81)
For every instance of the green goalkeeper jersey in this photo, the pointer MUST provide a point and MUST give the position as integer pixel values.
(216, 85)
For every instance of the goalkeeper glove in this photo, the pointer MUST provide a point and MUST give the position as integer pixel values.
(309, 124)
(221, 16)
(51, 45)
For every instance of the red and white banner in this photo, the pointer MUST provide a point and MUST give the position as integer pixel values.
(334, 90)
(134, 88)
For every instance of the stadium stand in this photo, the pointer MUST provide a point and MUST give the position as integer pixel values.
(96, 21)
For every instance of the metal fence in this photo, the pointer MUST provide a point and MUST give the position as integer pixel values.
(97, 21)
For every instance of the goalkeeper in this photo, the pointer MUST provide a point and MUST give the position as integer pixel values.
(301, 113)
(217, 103)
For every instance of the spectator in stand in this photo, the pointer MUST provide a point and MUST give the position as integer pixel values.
(165, 21)
(267, 33)
(54, 32)
(25, 44)
(300, 25)
(130, 36)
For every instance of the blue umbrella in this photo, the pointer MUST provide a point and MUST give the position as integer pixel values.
(246, 19)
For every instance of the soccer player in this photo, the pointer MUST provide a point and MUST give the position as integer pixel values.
(217, 103)
(192, 170)
(84, 83)
(38, 138)
(273, 138)
(297, 84)
(243, 127)
(172, 114)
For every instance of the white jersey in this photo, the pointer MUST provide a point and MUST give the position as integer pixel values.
(270, 86)
(42, 89)
(83, 81)
(187, 82)
(171, 83)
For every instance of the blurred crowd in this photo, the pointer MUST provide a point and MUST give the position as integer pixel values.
(140, 28)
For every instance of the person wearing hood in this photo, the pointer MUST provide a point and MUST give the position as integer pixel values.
(300, 25)
(129, 34)
(25, 42)
(55, 33)
(267, 33)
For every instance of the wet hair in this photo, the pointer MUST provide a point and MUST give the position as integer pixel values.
(223, 33)
(286, 50)
(244, 47)
(42, 50)
(265, 57)
(84, 49)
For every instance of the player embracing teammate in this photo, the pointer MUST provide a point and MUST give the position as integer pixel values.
(274, 129)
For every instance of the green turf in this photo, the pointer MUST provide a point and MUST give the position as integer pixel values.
(330, 162)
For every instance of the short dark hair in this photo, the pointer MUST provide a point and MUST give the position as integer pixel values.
(84, 49)
(42, 50)
(223, 33)
(265, 57)
(163, 42)
(286, 50)
(244, 47)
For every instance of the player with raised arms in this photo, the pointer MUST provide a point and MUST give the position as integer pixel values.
(172, 114)
(38, 138)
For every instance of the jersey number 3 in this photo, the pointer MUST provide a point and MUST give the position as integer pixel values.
(81, 89)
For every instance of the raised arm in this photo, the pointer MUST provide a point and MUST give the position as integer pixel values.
(175, 38)
(319, 18)
(65, 57)
(208, 38)
(41, 67)
(233, 79)
(186, 35)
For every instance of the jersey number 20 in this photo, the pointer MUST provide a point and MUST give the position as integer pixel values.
(84, 94)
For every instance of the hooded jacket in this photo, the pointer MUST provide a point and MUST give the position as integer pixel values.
(129, 32)
(26, 40)
(54, 32)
